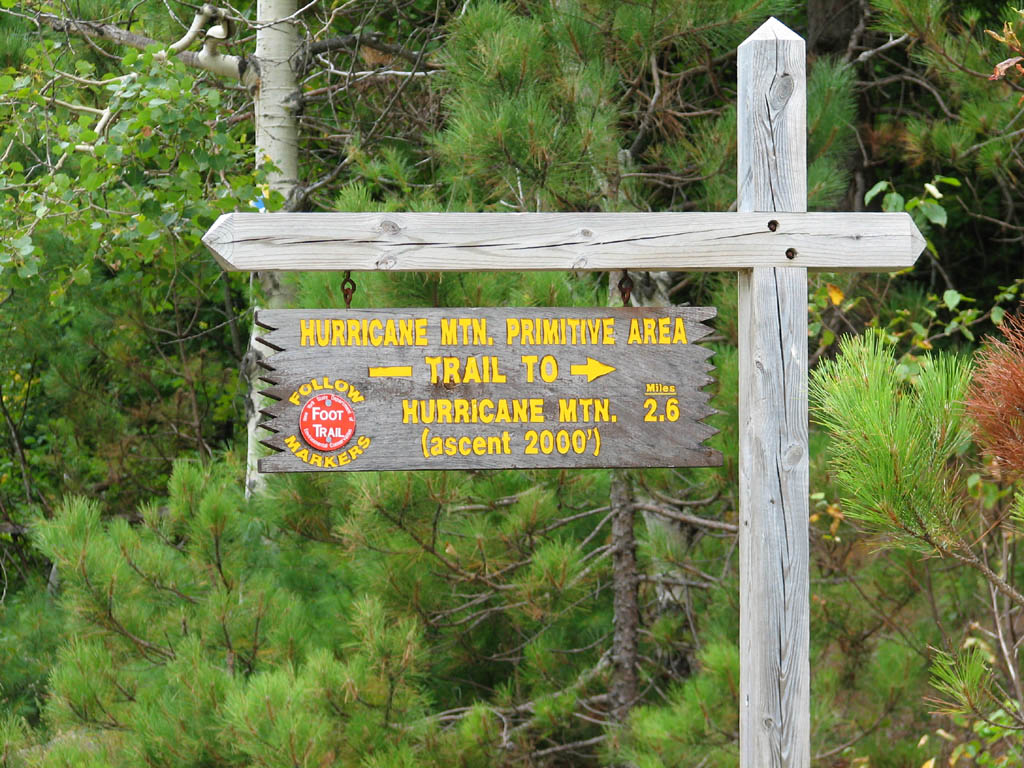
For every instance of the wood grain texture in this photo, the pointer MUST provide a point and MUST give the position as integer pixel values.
(773, 459)
(604, 401)
(576, 241)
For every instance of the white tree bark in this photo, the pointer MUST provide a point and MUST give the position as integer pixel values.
(277, 98)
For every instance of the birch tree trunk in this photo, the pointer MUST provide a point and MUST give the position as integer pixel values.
(277, 98)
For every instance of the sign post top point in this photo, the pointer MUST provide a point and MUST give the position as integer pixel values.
(773, 29)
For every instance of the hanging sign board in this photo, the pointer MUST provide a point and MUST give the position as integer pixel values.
(487, 388)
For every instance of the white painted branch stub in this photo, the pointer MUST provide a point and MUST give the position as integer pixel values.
(411, 242)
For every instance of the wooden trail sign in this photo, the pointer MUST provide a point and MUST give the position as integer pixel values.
(487, 388)
(771, 241)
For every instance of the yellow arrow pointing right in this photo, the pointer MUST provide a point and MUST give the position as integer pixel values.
(592, 369)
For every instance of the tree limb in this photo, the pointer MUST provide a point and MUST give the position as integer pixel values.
(681, 517)
(351, 43)
(238, 67)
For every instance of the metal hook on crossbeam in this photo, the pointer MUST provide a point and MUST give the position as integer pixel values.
(625, 287)
(348, 288)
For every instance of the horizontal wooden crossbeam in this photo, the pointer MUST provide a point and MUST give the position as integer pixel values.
(466, 242)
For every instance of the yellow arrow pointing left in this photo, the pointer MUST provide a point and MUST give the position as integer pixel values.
(592, 369)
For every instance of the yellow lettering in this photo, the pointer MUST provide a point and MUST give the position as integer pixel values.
(444, 411)
(451, 370)
(410, 411)
(634, 332)
(486, 411)
(405, 332)
(504, 414)
(567, 409)
(421, 331)
(472, 373)
(390, 337)
(462, 411)
(497, 376)
(550, 331)
(527, 331)
(375, 328)
(586, 402)
(511, 329)
(548, 368)
(292, 442)
(680, 334)
(354, 336)
(323, 333)
(479, 330)
(449, 334)
(536, 409)
(649, 337)
(574, 326)
(306, 333)
(316, 460)
(608, 334)
(337, 332)
(435, 368)
(530, 361)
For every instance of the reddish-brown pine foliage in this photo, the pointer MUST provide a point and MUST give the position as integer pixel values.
(996, 398)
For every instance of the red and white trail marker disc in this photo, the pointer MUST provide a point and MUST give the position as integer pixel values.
(327, 422)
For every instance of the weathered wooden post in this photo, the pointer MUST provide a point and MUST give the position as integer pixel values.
(773, 454)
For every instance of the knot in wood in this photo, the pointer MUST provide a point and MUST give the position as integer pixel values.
(586, 233)
(781, 90)
(793, 455)
(389, 227)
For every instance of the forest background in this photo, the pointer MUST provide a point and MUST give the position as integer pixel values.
(151, 614)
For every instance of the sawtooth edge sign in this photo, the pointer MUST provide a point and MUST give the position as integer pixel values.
(488, 388)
